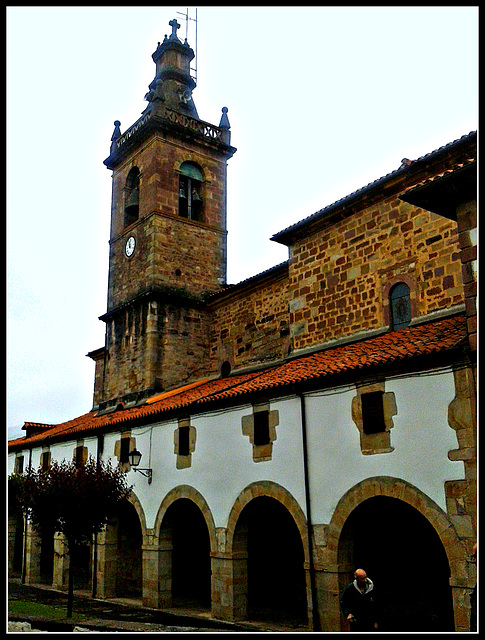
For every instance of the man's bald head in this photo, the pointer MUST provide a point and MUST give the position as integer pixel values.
(361, 577)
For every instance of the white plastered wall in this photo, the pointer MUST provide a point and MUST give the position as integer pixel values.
(222, 464)
(421, 438)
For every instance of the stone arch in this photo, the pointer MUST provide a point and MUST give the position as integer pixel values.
(271, 490)
(107, 547)
(404, 491)
(185, 538)
(265, 525)
(135, 501)
(188, 492)
(193, 158)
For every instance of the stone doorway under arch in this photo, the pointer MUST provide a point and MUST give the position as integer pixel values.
(46, 557)
(117, 554)
(267, 535)
(81, 556)
(402, 553)
(186, 536)
(128, 552)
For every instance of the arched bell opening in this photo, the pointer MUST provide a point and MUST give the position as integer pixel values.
(132, 196)
(404, 557)
(190, 192)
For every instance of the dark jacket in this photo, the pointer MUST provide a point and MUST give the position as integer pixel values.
(362, 605)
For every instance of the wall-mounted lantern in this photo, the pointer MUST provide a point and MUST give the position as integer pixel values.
(135, 457)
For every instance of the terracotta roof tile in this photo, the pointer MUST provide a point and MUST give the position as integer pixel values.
(447, 172)
(390, 348)
(37, 425)
(175, 392)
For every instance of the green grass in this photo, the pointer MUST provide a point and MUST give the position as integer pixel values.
(24, 607)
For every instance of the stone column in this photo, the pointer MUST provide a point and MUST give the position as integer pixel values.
(12, 530)
(330, 582)
(107, 562)
(466, 216)
(150, 570)
(461, 606)
(151, 356)
(164, 571)
(32, 556)
(61, 562)
(230, 586)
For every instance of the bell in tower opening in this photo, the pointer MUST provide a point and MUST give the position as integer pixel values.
(190, 186)
(132, 196)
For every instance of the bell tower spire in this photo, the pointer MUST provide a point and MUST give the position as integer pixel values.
(167, 248)
(173, 83)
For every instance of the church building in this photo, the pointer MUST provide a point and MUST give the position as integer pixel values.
(315, 418)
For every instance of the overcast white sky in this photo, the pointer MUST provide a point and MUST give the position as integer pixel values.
(322, 101)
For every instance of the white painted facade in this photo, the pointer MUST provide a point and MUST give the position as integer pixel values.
(222, 464)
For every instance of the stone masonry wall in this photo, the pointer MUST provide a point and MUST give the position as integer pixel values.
(154, 346)
(170, 251)
(251, 325)
(340, 276)
(467, 225)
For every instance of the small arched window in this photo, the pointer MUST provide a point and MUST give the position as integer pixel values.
(190, 192)
(132, 196)
(400, 305)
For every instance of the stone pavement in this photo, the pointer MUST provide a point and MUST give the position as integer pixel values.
(124, 615)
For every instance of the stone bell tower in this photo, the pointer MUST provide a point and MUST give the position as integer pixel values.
(167, 238)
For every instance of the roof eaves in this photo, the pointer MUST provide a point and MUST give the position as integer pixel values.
(443, 193)
(391, 349)
(286, 235)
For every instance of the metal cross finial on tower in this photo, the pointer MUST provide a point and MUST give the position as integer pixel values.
(175, 25)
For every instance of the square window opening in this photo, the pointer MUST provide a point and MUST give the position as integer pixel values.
(373, 412)
(19, 464)
(124, 450)
(261, 428)
(184, 443)
(45, 460)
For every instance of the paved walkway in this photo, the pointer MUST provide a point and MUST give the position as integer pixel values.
(126, 615)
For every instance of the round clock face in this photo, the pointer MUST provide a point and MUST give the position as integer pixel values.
(130, 246)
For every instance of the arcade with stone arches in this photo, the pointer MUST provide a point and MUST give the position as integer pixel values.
(257, 567)
(408, 546)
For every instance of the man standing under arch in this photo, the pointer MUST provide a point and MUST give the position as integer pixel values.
(358, 603)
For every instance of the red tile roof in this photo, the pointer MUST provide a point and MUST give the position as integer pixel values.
(37, 425)
(391, 348)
